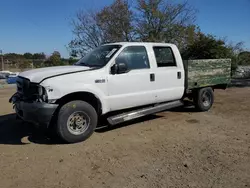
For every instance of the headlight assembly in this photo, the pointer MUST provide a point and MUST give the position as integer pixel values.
(40, 90)
(42, 93)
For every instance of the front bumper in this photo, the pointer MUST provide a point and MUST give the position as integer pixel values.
(38, 113)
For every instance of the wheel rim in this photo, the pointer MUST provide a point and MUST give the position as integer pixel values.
(206, 99)
(78, 123)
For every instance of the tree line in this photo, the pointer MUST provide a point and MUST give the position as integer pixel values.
(35, 60)
(151, 21)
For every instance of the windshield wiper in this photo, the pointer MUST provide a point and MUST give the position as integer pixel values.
(89, 65)
(83, 64)
(96, 65)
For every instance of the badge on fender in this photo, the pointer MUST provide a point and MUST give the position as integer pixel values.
(100, 81)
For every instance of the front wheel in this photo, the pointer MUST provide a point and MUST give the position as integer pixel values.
(76, 122)
(204, 99)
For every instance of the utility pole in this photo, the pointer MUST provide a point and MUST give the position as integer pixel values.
(1, 52)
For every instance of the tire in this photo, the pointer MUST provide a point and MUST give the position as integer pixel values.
(76, 121)
(204, 99)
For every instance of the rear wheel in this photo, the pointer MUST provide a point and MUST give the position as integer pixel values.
(76, 122)
(204, 99)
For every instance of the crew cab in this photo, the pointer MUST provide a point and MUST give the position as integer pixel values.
(118, 82)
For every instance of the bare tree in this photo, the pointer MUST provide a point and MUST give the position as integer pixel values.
(116, 21)
(110, 24)
(163, 21)
(87, 32)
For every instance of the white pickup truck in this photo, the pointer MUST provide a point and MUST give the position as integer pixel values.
(118, 81)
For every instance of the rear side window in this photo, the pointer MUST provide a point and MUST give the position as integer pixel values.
(135, 57)
(164, 56)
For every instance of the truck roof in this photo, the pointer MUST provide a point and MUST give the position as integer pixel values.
(142, 43)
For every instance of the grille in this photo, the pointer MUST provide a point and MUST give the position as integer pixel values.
(26, 89)
(19, 86)
(22, 85)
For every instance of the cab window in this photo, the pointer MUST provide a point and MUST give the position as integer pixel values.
(135, 57)
(164, 56)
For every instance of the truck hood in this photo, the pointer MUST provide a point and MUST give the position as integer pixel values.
(37, 75)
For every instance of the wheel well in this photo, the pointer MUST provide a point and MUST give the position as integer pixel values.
(193, 92)
(220, 86)
(84, 96)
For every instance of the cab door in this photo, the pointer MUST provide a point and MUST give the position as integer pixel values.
(169, 75)
(134, 87)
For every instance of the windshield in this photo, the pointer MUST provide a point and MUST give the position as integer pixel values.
(99, 57)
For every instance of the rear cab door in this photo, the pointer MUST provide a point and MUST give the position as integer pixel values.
(169, 72)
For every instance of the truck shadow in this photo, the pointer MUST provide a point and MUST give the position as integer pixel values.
(16, 132)
(188, 108)
(104, 127)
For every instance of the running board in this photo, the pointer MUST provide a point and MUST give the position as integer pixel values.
(113, 120)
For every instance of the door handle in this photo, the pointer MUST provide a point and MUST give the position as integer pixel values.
(179, 75)
(152, 77)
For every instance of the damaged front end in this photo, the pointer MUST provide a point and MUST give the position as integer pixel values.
(31, 103)
(28, 91)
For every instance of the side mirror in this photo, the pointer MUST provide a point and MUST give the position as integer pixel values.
(114, 69)
(122, 68)
(119, 68)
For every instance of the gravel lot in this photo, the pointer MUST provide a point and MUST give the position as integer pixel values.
(179, 148)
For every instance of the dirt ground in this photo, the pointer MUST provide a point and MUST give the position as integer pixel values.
(178, 148)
